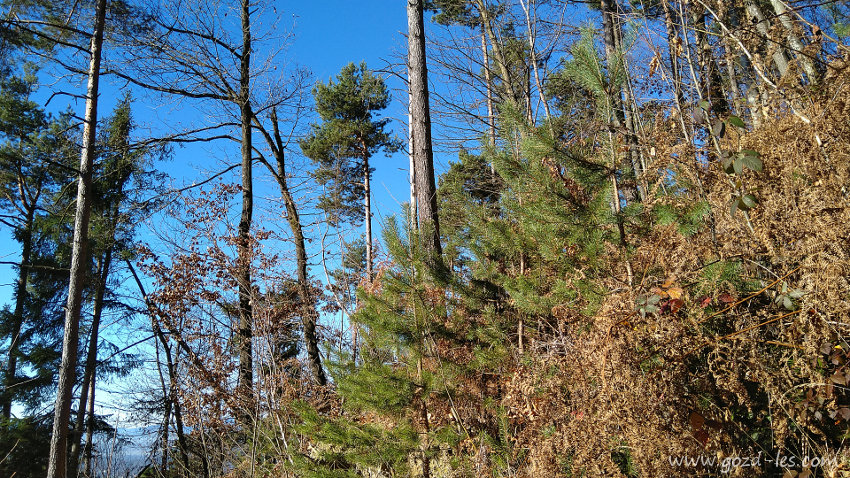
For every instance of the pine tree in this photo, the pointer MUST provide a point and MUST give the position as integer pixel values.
(350, 134)
(388, 380)
(35, 164)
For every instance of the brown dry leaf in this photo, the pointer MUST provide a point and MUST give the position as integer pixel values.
(676, 304)
(702, 437)
(653, 65)
(675, 292)
(697, 420)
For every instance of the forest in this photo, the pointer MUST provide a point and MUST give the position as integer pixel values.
(618, 244)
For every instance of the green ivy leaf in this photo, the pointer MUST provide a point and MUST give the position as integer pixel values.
(736, 121)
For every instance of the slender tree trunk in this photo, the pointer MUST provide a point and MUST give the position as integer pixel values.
(367, 213)
(89, 446)
(532, 33)
(622, 122)
(172, 402)
(18, 315)
(308, 302)
(488, 84)
(171, 365)
(734, 90)
(166, 426)
(104, 263)
(164, 437)
(487, 25)
(673, 46)
(412, 167)
(423, 156)
(245, 332)
(424, 424)
(58, 459)
(609, 40)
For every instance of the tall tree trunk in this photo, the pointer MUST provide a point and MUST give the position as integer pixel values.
(532, 33)
(18, 315)
(526, 94)
(165, 437)
(609, 40)
(367, 214)
(245, 332)
(423, 156)
(673, 47)
(424, 422)
(612, 39)
(411, 166)
(183, 445)
(104, 263)
(173, 396)
(734, 89)
(171, 365)
(309, 313)
(58, 458)
(488, 84)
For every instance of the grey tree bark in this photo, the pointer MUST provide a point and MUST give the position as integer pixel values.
(527, 8)
(423, 156)
(58, 458)
(488, 83)
(367, 212)
(612, 40)
(763, 26)
(423, 161)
